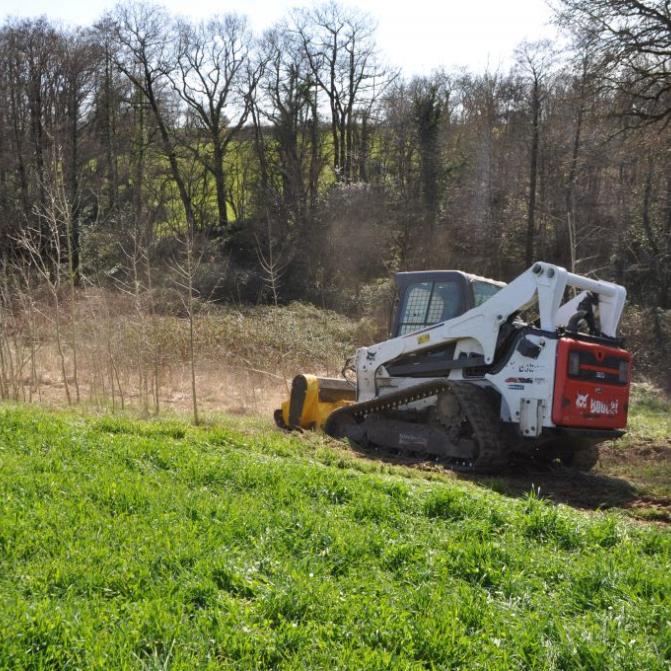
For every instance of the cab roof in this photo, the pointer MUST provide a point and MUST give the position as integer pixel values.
(406, 277)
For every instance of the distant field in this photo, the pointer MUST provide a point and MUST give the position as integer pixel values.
(155, 545)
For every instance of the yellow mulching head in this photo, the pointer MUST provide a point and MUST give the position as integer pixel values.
(312, 400)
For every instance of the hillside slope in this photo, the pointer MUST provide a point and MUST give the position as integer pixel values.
(154, 545)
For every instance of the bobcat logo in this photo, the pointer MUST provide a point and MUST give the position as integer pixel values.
(581, 400)
(604, 408)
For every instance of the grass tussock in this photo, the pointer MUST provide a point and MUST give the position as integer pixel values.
(127, 544)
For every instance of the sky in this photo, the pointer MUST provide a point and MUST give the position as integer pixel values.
(417, 36)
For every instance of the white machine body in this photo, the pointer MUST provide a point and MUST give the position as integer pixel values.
(525, 383)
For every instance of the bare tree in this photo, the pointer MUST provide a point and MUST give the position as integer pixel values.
(215, 78)
(33, 74)
(430, 106)
(582, 82)
(185, 270)
(25, 290)
(340, 49)
(79, 63)
(271, 262)
(43, 245)
(534, 61)
(632, 39)
(144, 54)
(292, 152)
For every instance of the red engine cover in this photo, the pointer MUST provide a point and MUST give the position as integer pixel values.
(591, 385)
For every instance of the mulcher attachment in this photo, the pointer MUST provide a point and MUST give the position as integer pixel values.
(312, 400)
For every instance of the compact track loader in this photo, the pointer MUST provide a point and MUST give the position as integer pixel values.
(477, 371)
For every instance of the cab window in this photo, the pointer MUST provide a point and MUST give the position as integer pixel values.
(483, 291)
(427, 303)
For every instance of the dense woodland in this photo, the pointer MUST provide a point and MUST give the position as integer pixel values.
(297, 164)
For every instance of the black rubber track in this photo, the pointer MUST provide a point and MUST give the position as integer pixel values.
(493, 452)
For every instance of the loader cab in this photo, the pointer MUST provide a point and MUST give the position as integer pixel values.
(429, 297)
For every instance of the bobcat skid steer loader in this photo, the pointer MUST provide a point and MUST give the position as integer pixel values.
(478, 370)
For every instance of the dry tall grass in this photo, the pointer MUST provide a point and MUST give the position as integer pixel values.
(132, 357)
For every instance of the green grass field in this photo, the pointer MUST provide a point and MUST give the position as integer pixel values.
(127, 544)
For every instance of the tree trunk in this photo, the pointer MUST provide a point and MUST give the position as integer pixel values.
(109, 134)
(220, 183)
(73, 186)
(315, 162)
(570, 189)
(169, 151)
(533, 174)
(138, 170)
(665, 263)
(364, 142)
(348, 120)
(37, 131)
(336, 144)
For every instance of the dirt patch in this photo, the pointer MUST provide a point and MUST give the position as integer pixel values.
(598, 490)
(644, 449)
(652, 509)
